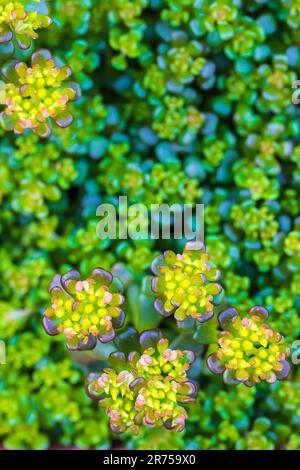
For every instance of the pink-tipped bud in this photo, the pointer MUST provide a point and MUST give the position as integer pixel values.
(146, 360)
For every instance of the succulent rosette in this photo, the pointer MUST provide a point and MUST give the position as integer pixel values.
(219, 16)
(84, 310)
(16, 21)
(146, 386)
(183, 284)
(34, 95)
(250, 351)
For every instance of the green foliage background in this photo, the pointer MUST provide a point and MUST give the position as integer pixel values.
(182, 101)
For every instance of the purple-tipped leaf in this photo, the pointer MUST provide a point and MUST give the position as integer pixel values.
(119, 321)
(158, 305)
(43, 130)
(40, 56)
(229, 378)
(149, 339)
(49, 327)
(81, 345)
(6, 34)
(64, 119)
(107, 337)
(157, 263)
(117, 361)
(260, 312)
(194, 245)
(283, 373)
(227, 317)
(205, 316)
(136, 384)
(67, 278)
(103, 276)
(9, 72)
(214, 364)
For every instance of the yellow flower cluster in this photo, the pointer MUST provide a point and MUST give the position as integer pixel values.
(16, 20)
(83, 311)
(36, 94)
(249, 350)
(183, 284)
(145, 388)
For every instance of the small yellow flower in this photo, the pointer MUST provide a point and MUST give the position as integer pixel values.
(74, 311)
(249, 350)
(147, 387)
(32, 99)
(183, 284)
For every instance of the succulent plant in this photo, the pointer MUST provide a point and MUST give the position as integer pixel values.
(21, 23)
(84, 310)
(34, 95)
(183, 284)
(145, 386)
(249, 350)
(183, 102)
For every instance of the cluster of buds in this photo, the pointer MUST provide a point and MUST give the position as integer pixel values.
(84, 310)
(146, 386)
(33, 95)
(183, 284)
(16, 21)
(174, 117)
(249, 350)
(220, 16)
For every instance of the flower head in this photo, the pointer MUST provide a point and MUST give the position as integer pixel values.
(84, 310)
(183, 284)
(16, 20)
(36, 94)
(249, 350)
(219, 16)
(145, 387)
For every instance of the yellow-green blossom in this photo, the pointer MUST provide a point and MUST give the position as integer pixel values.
(145, 387)
(36, 94)
(249, 350)
(84, 310)
(183, 283)
(16, 20)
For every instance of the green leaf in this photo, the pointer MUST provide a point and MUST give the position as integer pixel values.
(185, 341)
(144, 316)
(127, 340)
(146, 286)
(207, 333)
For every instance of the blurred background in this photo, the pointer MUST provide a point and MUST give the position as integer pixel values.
(182, 102)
